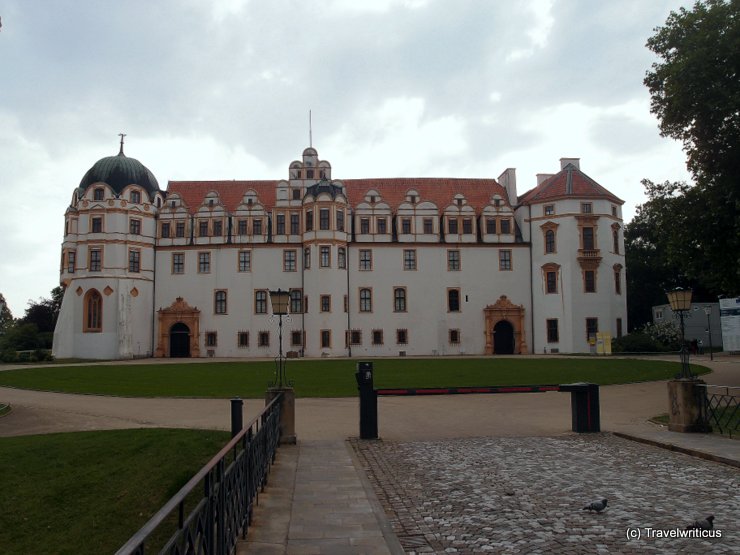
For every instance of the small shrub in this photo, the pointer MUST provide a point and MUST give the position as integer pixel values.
(637, 342)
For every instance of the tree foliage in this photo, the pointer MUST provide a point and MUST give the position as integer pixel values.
(689, 235)
(43, 313)
(6, 317)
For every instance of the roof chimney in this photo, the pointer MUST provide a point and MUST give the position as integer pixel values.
(543, 177)
(508, 180)
(575, 161)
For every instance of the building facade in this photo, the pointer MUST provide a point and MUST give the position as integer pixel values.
(374, 267)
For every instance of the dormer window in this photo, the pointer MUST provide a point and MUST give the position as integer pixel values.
(497, 202)
(210, 202)
(372, 199)
(412, 199)
(172, 204)
(135, 197)
(459, 201)
(98, 193)
(250, 202)
(309, 174)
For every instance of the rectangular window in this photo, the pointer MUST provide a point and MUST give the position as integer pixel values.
(326, 339)
(364, 226)
(382, 226)
(97, 224)
(218, 228)
(178, 263)
(588, 238)
(309, 220)
(586, 207)
(325, 303)
(428, 226)
(505, 227)
(549, 209)
(296, 301)
(296, 338)
(366, 259)
(617, 282)
(295, 224)
(280, 224)
(589, 281)
(409, 259)
(257, 226)
(402, 336)
(219, 302)
(504, 259)
(71, 258)
(203, 228)
(134, 226)
(325, 257)
(135, 197)
(452, 225)
(204, 262)
(340, 220)
(592, 328)
(491, 226)
(98, 194)
(453, 260)
(263, 339)
(245, 261)
(211, 339)
(342, 257)
(307, 258)
(260, 301)
(377, 337)
(243, 339)
(165, 230)
(134, 260)
(241, 227)
(96, 260)
(289, 261)
(324, 219)
(296, 194)
(180, 229)
(467, 226)
(454, 337)
(406, 225)
(355, 337)
(453, 300)
(553, 335)
(551, 278)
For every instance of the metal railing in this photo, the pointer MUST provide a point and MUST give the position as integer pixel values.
(231, 481)
(722, 409)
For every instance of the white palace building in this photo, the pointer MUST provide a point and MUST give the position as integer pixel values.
(374, 267)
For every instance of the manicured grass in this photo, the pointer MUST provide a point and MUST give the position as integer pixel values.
(331, 378)
(88, 492)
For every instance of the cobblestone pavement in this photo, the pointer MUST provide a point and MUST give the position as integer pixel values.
(525, 495)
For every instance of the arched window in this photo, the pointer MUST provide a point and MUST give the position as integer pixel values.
(549, 241)
(93, 312)
(366, 300)
(399, 299)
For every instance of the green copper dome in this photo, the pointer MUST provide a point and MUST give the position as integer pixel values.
(118, 172)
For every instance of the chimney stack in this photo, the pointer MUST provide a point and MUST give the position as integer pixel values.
(575, 161)
(508, 181)
(543, 177)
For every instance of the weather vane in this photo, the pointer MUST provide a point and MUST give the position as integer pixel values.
(122, 135)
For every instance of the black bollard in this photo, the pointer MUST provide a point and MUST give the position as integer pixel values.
(237, 422)
(368, 401)
(585, 408)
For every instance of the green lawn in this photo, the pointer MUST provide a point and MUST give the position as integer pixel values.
(331, 378)
(88, 492)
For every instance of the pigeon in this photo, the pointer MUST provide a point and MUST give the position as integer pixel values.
(704, 524)
(597, 506)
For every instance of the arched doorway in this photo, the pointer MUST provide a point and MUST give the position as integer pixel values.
(503, 338)
(179, 341)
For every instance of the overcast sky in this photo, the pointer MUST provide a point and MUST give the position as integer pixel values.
(210, 89)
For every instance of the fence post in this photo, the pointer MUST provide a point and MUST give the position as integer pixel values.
(237, 422)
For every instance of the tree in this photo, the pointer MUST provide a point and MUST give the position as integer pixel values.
(6, 317)
(44, 312)
(695, 93)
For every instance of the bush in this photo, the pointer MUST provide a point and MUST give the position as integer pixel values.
(638, 342)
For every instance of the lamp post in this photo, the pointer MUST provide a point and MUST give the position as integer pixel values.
(280, 300)
(680, 300)
(708, 312)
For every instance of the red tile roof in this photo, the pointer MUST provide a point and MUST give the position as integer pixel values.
(569, 182)
(440, 191)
